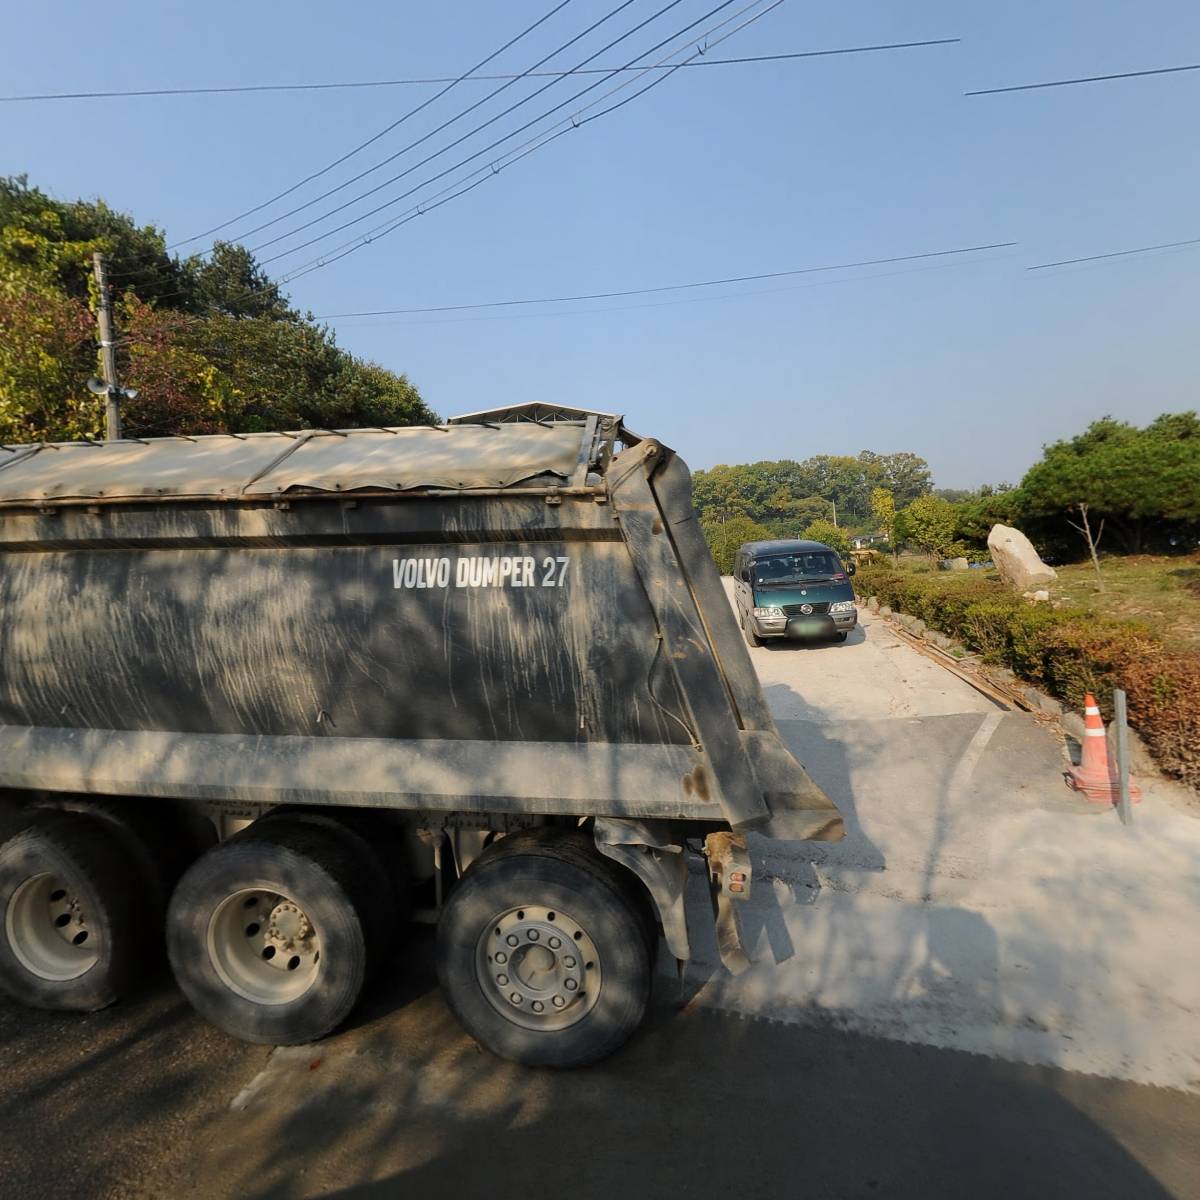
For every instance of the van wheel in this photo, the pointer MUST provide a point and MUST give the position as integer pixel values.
(266, 933)
(72, 933)
(542, 954)
(752, 638)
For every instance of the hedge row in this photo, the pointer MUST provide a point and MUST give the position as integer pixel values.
(1066, 652)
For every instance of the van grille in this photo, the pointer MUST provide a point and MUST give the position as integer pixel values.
(793, 610)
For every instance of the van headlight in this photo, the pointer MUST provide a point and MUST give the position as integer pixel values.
(768, 612)
(842, 606)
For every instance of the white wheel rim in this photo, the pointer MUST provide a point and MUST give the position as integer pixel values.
(538, 967)
(263, 946)
(50, 931)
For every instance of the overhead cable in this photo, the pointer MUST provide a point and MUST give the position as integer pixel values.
(472, 77)
(1055, 83)
(670, 287)
(1067, 262)
(412, 112)
(567, 123)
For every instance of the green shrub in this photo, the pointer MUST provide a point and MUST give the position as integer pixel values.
(985, 628)
(1069, 652)
(1162, 691)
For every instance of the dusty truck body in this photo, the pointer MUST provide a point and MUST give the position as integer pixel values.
(486, 669)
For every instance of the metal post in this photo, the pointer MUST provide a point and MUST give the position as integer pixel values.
(1124, 808)
(108, 350)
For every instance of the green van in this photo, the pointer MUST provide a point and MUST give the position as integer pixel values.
(792, 589)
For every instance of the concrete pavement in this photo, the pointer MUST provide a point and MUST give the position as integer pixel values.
(976, 903)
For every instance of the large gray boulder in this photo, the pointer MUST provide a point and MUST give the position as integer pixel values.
(1017, 561)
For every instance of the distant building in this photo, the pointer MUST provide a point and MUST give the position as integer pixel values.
(865, 541)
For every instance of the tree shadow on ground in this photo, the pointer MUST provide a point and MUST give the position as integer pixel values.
(698, 1104)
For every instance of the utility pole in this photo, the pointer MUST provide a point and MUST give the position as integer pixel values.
(108, 352)
(834, 503)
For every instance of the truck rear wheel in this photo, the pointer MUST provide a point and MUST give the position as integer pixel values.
(266, 933)
(542, 955)
(379, 849)
(71, 936)
(160, 841)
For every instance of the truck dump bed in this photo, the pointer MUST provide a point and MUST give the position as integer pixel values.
(512, 613)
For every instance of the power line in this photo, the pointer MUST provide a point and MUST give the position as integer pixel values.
(670, 287)
(471, 77)
(488, 148)
(412, 112)
(450, 121)
(705, 298)
(453, 190)
(1053, 83)
(1066, 262)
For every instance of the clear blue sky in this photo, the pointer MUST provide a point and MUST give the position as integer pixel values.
(720, 171)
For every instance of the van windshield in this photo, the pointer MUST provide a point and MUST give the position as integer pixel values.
(797, 568)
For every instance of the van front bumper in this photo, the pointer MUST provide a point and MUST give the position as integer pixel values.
(813, 625)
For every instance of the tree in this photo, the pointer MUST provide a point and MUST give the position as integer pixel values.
(883, 513)
(832, 536)
(1129, 478)
(930, 524)
(48, 349)
(725, 537)
(232, 283)
(905, 475)
(211, 345)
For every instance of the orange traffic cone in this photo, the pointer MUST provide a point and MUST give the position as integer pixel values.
(1097, 776)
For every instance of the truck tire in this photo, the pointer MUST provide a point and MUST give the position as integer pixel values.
(572, 843)
(266, 933)
(384, 911)
(542, 953)
(13, 817)
(72, 931)
(160, 841)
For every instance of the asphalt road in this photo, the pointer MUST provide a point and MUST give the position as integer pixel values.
(146, 1101)
(838, 1067)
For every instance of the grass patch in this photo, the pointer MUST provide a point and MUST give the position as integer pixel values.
(1141, 634)
(1155, 590)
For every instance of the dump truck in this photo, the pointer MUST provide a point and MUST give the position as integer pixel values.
(267, 698)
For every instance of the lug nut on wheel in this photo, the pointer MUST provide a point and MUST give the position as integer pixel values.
(515, 997)
(558, 1002)
(571, 985)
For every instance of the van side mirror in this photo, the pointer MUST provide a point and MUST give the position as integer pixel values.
(850, 567)
(744, 575)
